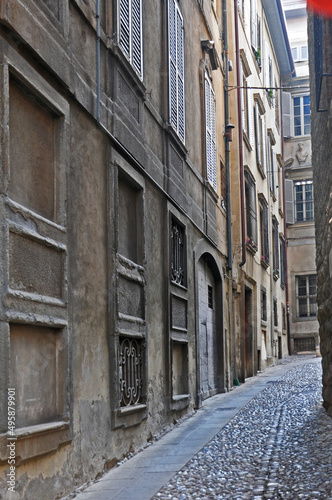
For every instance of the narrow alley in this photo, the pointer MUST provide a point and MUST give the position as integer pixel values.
(270, 438)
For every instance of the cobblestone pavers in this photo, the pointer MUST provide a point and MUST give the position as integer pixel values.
(278, 447)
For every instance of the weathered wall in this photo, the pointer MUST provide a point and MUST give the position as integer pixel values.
(322, 167)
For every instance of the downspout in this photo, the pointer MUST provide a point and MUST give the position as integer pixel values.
(238, 84)
(227, 137)
(285, 224)
(98, 59)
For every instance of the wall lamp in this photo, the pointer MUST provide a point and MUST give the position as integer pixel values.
(229, 131)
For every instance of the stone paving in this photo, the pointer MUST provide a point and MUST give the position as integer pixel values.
(279, 446)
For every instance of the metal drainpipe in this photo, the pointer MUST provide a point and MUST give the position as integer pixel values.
(98, 59)
(237, 49)
(285, 225)
(227, 138)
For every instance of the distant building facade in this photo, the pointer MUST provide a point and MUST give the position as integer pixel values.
(300, 214)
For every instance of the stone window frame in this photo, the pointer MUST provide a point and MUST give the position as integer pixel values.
(123, 326)
(178, 338)
(17, 307)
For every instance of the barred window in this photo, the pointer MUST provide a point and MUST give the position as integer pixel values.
(131, 369)
(306, 292)
(275, 312)
(263, 304)
(283, 262)
(178, 253)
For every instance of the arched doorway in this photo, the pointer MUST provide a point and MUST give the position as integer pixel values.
(210, 338)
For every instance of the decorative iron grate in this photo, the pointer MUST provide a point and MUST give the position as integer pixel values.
(131, 371)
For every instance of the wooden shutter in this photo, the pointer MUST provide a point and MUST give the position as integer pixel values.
(258, 136)
(210, 127)
(130, 32)
(136, 25)
(289, 201)
(275, 174)
(263, 129)
(250, 110)
(243, 110)
(254, 24)
(124, 27)
(176, 69)
(287, 114)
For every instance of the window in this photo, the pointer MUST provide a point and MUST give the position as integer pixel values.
(131, 370)
(176, 69)
(282, 262)
(264, 231)
(275, 244)
(223, 192)
(272, 164)
(254, 31)
(130, 33)
(300, 53)
(210, 297)
(260, 135)
(251, 212)
(284, 319)
(275, 312)
(247, 110)
(301, 115)
(306, 291)
(263, 304)
(178, 256)
(304, 201)
(210, 131)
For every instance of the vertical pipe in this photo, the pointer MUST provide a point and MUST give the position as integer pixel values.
(98, 59)
(227, 137)
(237, 49)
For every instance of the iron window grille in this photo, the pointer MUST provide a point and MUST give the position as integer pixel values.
(275, 312)
(283, 262)
(178, 253)
(131, 369)
(263, 305)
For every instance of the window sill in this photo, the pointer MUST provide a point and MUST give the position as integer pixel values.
(129, 416)
(265, 263)
(252, 247)
(35, 440)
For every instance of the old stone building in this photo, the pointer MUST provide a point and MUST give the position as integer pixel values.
(320, 63)
(142, 256)
(264, 57)
(301, 251)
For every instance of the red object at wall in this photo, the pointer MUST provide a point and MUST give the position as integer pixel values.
(323, 7)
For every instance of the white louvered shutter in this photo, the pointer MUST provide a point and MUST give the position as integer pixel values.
(130, 32)
(275, 174)
(258, 136)
(210, 126)
(137, 36)
(287, 114)
(289, 201)
(263, 144)
(243, 110)
(176, 69)
(251, 118)
(254, 24)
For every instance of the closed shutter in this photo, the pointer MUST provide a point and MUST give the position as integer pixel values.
(137, 36)
(176, 69)
(254, 24)
(289, 201)
(243, 109)
(263, 144)
(130, 32)
(275, 174)
(258, 136)
(251, 118)
(287, 114)
(210, 126)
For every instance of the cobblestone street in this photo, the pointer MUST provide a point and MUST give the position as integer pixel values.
(268, 439)
(278, 447)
